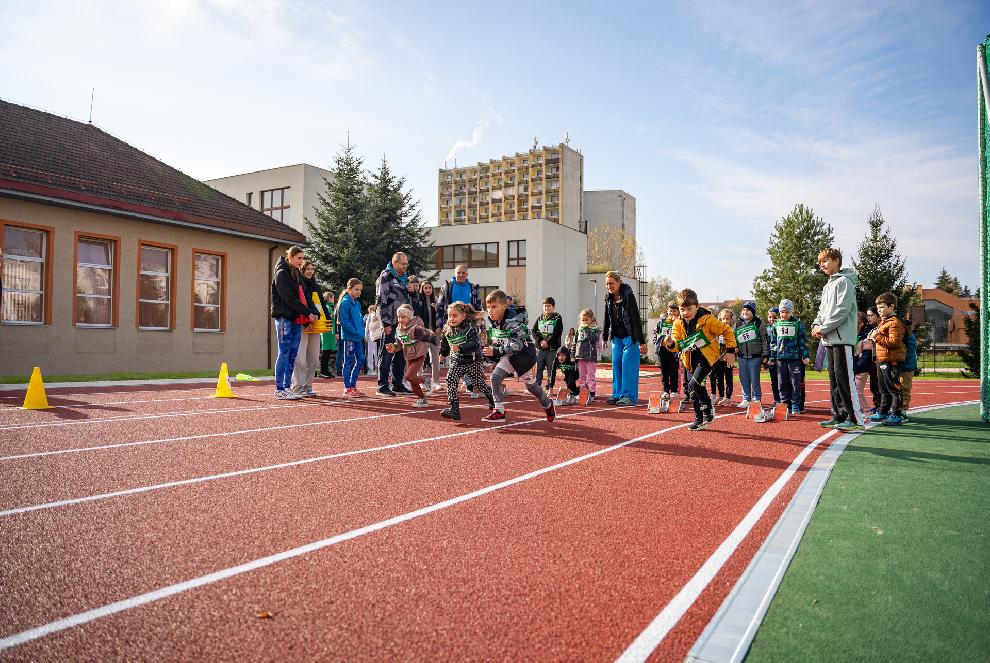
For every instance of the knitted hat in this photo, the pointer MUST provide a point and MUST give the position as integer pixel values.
(751, 306)
(775, 310)
(786, 305)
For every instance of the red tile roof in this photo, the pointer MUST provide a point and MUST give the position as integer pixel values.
(55, 159)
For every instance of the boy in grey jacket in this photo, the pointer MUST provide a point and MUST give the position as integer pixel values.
(835, 326)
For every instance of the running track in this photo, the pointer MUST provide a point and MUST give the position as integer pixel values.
(159, 523)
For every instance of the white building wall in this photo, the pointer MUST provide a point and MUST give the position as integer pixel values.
(304, 182)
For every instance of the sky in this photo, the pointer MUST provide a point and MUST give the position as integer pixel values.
(718, 116)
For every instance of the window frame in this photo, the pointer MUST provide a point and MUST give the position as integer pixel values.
(269, 210)
(46, 294)
(114, 279)
(223, 292)
(486, 263)
(516, 261)
(173, 268)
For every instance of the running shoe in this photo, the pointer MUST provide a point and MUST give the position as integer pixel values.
(893, 420)
(744, 404)
(699, 424)
(400, 389)
(847, 426)
(422, 402)
(551, 412)
(493, 417)
(385, 391)
(451, 414)
(625, 401)
(831, 423)
(282, 395)
(879, 416)
(590, 400)
(612, 400)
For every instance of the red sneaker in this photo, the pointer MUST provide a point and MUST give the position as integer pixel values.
(551, 412)
(494, 416)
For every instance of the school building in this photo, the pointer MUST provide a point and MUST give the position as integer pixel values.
(116, 262)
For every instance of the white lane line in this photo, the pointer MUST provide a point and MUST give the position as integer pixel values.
(158, 415)
(203, 436)
(267, 468)
(223, 574)
(650, 638)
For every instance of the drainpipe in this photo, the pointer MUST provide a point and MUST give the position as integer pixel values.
(268, 359)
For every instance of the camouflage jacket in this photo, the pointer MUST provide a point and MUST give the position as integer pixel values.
(390, 294)
(509, 337)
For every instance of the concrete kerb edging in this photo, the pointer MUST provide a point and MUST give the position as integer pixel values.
(731, 630)
(21, 386)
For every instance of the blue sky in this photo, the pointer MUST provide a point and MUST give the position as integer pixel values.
(717, 116)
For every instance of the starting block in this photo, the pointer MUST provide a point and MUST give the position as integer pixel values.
(753, 410)
(683, 404)
(658, 404)
(781, 412)
(583, 396)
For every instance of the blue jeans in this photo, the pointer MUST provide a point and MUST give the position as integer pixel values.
(353, 352)
(749, 378)
(288, 334)
(625, 368)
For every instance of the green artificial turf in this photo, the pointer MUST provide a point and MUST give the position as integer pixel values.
(19, 379)
(895, 564)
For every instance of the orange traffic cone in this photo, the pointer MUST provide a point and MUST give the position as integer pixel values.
(35, 398)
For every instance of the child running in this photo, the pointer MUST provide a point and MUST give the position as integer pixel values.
(665, 357)
(461, 341)
(695, 336)
(412, 339)
(587, 348)
(512, 351)
(351, 335)
(788, 350)
(565, 364)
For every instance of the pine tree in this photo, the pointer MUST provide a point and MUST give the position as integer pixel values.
(880, 267)
(337, 235)
(794, 246)
(948, 283)
(971, 355)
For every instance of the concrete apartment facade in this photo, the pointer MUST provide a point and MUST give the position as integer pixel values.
(121, 263)
(288, 193)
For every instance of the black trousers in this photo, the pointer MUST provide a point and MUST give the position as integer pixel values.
(389, 362)
(700, 397)
(327, 356)
(669, 369)
(773, 383)
(889, 376)
(842, 384)
(721, 379)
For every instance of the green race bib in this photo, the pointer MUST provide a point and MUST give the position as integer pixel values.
(405, 339)
(695, 341)
(665, 328)
(459, 339)
(546, 327)
(786, 329)
(747, 333)
(500, 336)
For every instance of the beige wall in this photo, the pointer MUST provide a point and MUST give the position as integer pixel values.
(62, 348)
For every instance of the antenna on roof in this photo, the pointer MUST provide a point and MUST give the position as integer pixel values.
(536, 142)
(91, 95)
(567, 138)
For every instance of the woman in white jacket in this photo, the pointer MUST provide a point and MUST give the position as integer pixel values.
(373, 330)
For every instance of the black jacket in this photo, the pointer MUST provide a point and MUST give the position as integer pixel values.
(628, 309)
(309, 287)
(469, 352)
(285, 293)
(553, 340)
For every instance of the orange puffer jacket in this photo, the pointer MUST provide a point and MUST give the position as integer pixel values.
(889, 341)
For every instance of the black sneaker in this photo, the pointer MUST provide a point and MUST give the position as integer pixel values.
(451, 414)
(385, 391)
(699, 424)
(401, 389)
(612, 400)
(709, 418)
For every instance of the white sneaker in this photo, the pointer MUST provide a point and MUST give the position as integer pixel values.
(743, 405)
(281, 395)
(761, 418)
(476, 394)
(422, 402)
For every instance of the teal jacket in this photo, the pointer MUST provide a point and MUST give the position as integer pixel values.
(837, 313)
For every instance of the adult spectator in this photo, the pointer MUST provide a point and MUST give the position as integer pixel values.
(391, 293)
(457, 289)
(622, 324)
(290, 312)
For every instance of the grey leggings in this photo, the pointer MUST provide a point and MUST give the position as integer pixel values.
(532, 386)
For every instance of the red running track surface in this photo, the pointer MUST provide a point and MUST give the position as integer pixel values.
(572, 563)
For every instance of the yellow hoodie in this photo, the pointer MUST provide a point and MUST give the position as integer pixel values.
(712, 328)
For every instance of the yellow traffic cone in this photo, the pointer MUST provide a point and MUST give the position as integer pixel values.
(35, 398)
(223, 384)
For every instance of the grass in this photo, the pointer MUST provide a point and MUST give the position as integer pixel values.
(23, 379)
(894, 564)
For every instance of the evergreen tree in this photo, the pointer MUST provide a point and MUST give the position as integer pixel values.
(337, 236)
(880, 267)
(794, 274)
(971, 355)
(948, 283)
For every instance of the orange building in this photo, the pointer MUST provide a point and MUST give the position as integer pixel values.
(946, 313)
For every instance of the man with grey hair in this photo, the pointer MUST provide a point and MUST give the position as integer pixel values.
(391, 293)
(457, 289)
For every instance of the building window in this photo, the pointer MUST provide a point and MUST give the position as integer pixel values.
(95, 281)
(275, 203)
(155, 287)
(517, 253)
(24, 274)
(249, 198)
(473, 255)
(484, 290)
(208, 291)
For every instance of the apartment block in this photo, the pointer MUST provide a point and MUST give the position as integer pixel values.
(544, 183)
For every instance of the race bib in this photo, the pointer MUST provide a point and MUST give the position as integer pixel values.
(666, 328)
(786, 329)
(747, 333)
(459, 339)
(546, 327)
(500, 337)
(695, 341)
(405, 339)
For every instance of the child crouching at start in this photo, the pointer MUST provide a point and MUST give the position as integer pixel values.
(461, 340)
(512, 351)
(412, 340)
